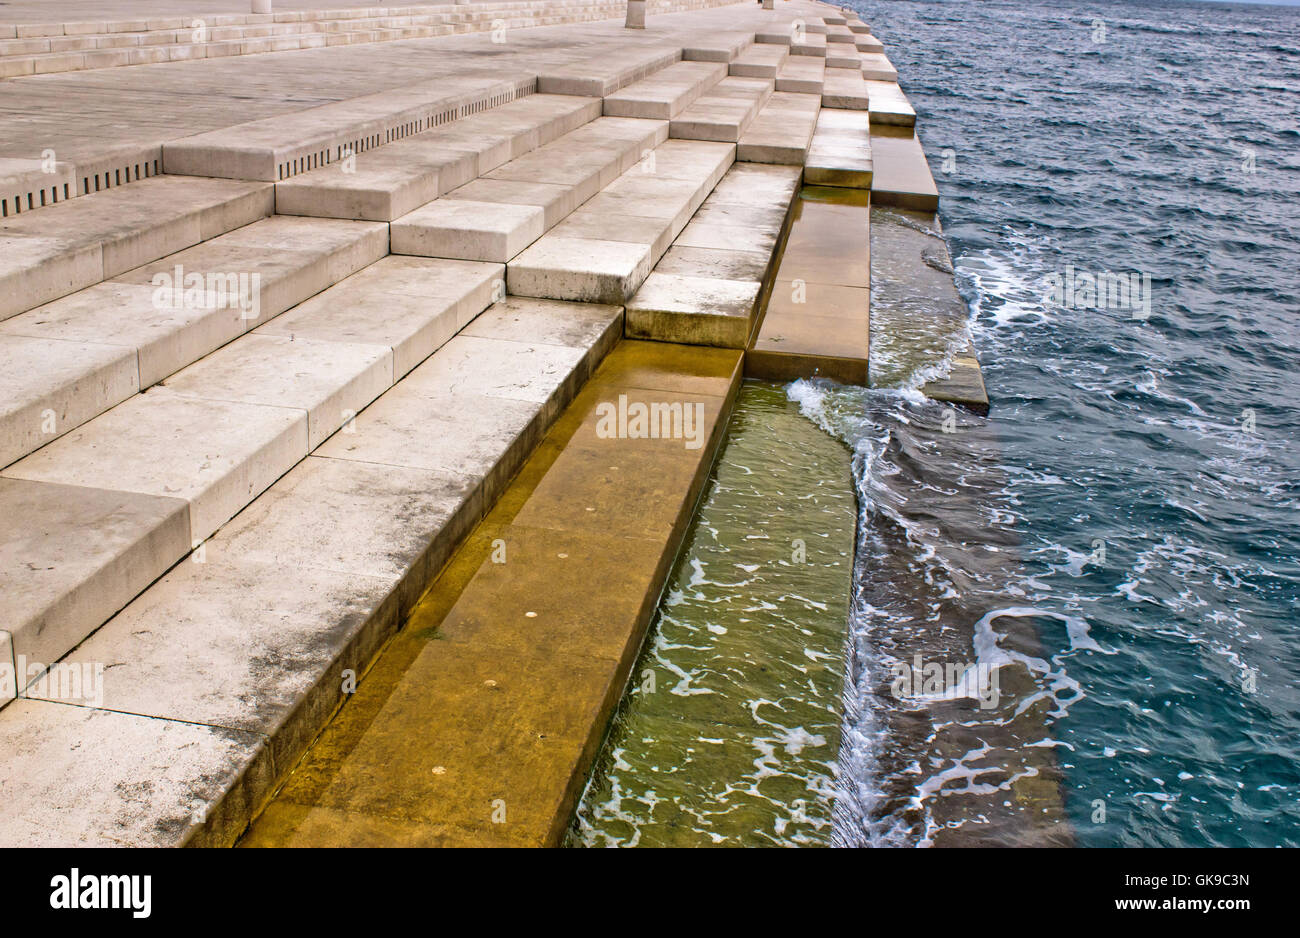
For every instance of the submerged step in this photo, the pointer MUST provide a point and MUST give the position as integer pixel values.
(918, 319)
(816, 321)
(466, 691)
(900, 172)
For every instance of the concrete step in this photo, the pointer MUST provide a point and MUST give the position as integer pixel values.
(840, 153)
(868, 44)
(277, 148)
(471, 690)
(834, 19)
(72, 359)
(361, 527)
(782, 131)
(217, 433)
(705, 289)
(844, 88)
(500, 214)
(725, 112)
(816, 320)
(605, 250)
(839, 55)
(810, 43)
(666, 93)
(901, 174)
(802, 75)
(888, 104)
(388, 182)
(858, 28)
(600, 76)
(719, 47)
(876, 67)
(761, 60)
(62, 248)
(839, 35)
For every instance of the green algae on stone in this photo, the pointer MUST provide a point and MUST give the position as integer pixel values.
(730, 729)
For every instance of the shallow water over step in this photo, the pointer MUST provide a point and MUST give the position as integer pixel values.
(729, 731)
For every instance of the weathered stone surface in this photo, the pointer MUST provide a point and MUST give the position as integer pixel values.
(49, 386)
(409, 304)
(217, 455)
(331, 381)
(693, 310)
(80, 777)
(901, 175)
(782, 131)
(472, 231)
(72, 556)
(666, 93)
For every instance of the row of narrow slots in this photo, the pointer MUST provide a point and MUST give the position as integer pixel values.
(305, 164)
(108, 179)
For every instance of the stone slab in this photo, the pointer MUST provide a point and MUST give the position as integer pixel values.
(217, 455)
(411, 305)
(72, 556)
(693, 310)
(466, 230)
(51, 386)
(331, 381)
(901, 174)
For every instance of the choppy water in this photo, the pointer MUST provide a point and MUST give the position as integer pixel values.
(1122, 534)
(729, 733)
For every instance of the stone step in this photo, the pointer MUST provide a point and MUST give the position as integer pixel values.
(601, 76)
(71, 360)
(63, 248)
(277, 148)
(834, 19)
(605, 250)
(217, 433)
(802, 75)
(816, 320)
(498, 215)
(725, 112)
(360, 527)
(888, 104)
(840, 153)
(901, 174)
(782, 131)
(858, 28)
(868, 44)
(718, 47)
(844, 88)
(839, 35)
(666, 93)
(842, 56)
(388, 182)
(876, 67)
(705, 289)
(761, 60)
(810, 43)
(472, 689)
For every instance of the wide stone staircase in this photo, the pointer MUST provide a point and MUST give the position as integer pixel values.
(249, 406)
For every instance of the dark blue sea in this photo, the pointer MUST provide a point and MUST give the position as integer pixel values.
(1134, 493)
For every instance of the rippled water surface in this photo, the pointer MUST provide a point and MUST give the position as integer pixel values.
(730, 731)
(1121, 534)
